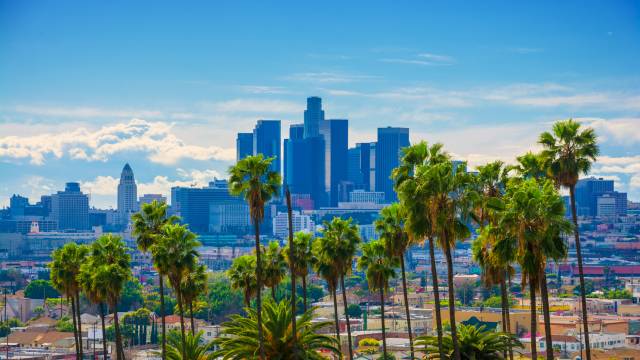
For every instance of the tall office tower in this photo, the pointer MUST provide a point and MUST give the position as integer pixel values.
(244, 145)
(266, 141)
(313, 117)
(70, 208)
(359, 171)
(304, 171)
(335, 133)
(127, 194)
(391, 140)
(296, 134)
(589, 190)
(17, 205)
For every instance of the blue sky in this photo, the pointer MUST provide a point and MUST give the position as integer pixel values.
(88, 86)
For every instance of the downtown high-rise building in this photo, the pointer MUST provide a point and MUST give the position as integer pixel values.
(597, 197)
(361, 166)
(388, 151)
(70, 208)
(244, 145)
(313, 117)
(267, 141)
(127, 194)
(335, 133)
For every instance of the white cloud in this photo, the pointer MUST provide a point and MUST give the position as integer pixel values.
(424, 59)
(621, 130)
(263, 89)
(154, 138)
(258, 106)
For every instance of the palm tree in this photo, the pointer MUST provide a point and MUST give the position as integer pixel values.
(195, 347)
(303, 257)
(341, 239)
(94, 295)
(175, 252)
(253, 179)
(449, 209)
(323, 266)
(147, 227)
(415, 199)
(193, 285)
(534, 217)
(242, 275)
(275, 267)
(65, 267)
(291, 260)
(111, 271)
(390, 226)
(476, 343)
(379, 268)
(569, 152)
(239, 338)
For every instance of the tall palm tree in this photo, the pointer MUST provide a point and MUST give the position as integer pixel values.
(534, 216)
(303, 257)
(449, 211)
(111, 271)
(390, 226)
(239, 341)
(253, 179)
(193, 285)
(323, 266)
(242, 275)
(275, 267)
(569, 151)
(290, 254)
(415, 198)
(379, 268)
(342, 238)
(175, 252)
(65, 267)
(147, 227)
(88, 284)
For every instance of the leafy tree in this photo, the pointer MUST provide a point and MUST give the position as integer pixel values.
(465, 293)
(242, 276)
(193, 285)
(315, 292)
(303, 254)
(618, 294)
(64, 324)
(239, 340)
(5, 329)
(569, 152)
(253, 179)
(195, 347)
(354, 311)
(40, 289)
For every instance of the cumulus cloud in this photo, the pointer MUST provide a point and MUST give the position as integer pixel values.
(622, 130)
(156, 139)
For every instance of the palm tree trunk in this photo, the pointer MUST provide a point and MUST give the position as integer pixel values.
(335, 316)
(452, 303)
(164, 325)
(346, 315)
(406, 304)
(436, 296)
(544, 295)
(193, 324)
(116, 325)
(384, 330)
(181, 309)
(507, 317)
(75, 325)
(304, 292)
(291, 267)
(256, 223)
(273, 293)
(583, 295)
(534, 320)
(104, 332)
(79, 323)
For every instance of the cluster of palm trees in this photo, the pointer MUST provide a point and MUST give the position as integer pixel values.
(517, 211)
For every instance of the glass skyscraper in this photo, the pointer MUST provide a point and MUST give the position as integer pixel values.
(244, 145)
(313, 117)
(335, 133)
(360, 166)
(266, 141)
(391, 140)
(70, 208)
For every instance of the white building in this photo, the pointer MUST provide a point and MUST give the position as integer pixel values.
(606, 205)
(149, 198)
(361, 196)
(127, 194)
(300, 222)
(571, 343)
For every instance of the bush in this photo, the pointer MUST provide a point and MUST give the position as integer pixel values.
(39, 289)
(354, 311)
(65, 324)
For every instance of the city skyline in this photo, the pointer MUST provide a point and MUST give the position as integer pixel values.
(172, 110)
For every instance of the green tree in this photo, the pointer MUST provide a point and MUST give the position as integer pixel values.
(40, 289)
(195, 347)
(223, 300)
(354, 310)
(275, 267)
(569, 151)
(253, 179)
(379, 268)
(193, 285)
(390, 226)
(324, 267)
(303, 255)
(242, 275)
(341, 239)
(89, 286)
(65, 267)
(239, 340)
(476, 343)
(131, 297)
(175, 253)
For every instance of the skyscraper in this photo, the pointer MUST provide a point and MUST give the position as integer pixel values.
(244, 145)
(70, 208)
(335, 133)
(266, 141)
(127, 194)
(360, 165)
(313, 117)
(391, 140)
(589, 190)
